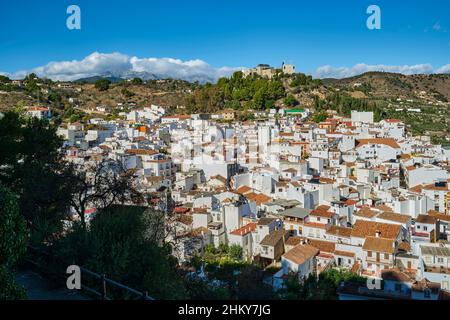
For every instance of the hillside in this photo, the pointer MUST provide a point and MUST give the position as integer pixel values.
(387, 94)
(424, 88)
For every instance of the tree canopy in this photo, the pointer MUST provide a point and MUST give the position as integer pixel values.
(32, 165)
(102, 84)
(118, 244)
(237, 92)
(13, 238)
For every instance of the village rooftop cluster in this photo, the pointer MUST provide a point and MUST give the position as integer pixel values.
(299, 196)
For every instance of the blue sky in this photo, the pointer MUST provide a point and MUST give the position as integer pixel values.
(231, 33)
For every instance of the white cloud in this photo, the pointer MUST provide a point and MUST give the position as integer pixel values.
(119, 64)
(444, 69)
(190, 70)
(122, 65)
(345, 72)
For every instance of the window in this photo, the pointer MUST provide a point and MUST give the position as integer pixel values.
(386, 256)
(318, 218)
(369, 253)
(427, 293)
(425, 228)
(440, 260)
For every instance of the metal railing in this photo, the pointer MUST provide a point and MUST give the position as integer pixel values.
(103, 283)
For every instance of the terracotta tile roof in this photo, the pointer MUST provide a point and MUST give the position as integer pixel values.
(322, 213)
(363, 228)
(383, 207)
(426, 284)
(323, 207)
(141, 152)
(405, 246)
(386, 141)
(339, 231)
(180, 210)
(315, 225)
(365, 212)
(397, 217)
(350, 202)
(200, 210)
(243, 189)
(301, 253)
(326, 180)
(273, 238)
(355, 268)
(392, 120)
(405, 156)
(344, 253)
(323, 246)
(432, 186)
(37, 109)
(379, 245)
(417, 189)
(439, 215)
(258, 198)
(293, 241)
(395, 275)
(138, 139)
(250, 227)
(185, 219)
(423, 218)
(286, 134)
(265, 221)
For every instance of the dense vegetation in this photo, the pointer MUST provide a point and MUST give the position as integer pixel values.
(13, 236)
(323, 287)
(238, 92)
(32, 167)
(123, 243)
(344, 104)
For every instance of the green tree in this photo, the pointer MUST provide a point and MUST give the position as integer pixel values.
(235, 252)
(4, 79)
(137, 81)
(118, 244)
(290, 101)
(250, 285)
(13, 236)
(127, 93)
(319, 116)
(32, 165)
(9, 289)
(102, 84)
(323, 287)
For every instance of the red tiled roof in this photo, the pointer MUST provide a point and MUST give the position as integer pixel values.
(250, 227)
(386, 141)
